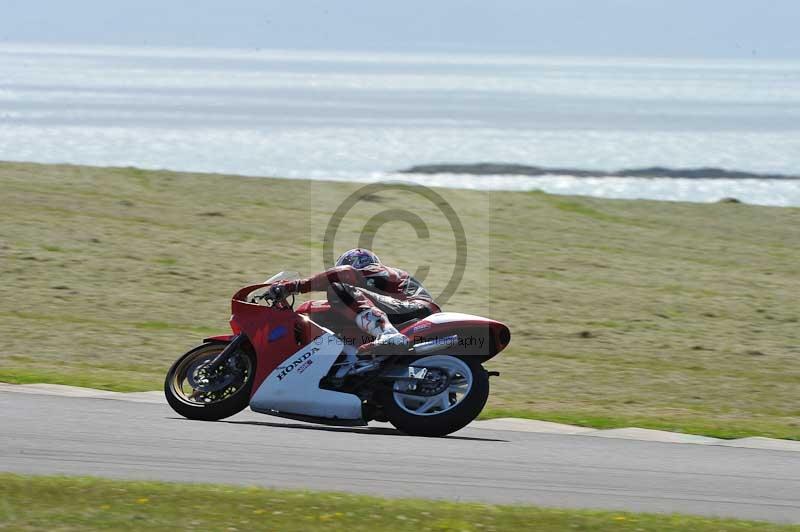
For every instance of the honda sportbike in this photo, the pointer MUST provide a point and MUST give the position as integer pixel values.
(303, 363)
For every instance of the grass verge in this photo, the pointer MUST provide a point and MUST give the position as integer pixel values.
(68, 503)
(665, 315)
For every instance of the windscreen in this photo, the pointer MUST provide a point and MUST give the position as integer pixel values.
(283, 276)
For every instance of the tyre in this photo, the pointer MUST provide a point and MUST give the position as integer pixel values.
(452, 409)
(196, 393)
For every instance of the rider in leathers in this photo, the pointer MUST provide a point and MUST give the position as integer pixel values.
(372, 294)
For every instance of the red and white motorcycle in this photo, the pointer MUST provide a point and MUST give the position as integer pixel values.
(302, 364)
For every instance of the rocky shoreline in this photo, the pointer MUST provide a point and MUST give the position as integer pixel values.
(648, 172)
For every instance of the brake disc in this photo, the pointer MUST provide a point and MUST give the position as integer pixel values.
(200, 379)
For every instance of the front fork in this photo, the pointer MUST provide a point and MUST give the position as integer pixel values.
(221, 359)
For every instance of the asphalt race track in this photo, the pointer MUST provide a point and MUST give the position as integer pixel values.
(48, 434)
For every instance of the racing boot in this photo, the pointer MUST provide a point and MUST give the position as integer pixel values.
(375, 322)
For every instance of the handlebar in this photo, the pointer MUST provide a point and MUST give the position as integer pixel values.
(272, 303)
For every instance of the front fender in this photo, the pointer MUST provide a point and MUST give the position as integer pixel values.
(221, 338)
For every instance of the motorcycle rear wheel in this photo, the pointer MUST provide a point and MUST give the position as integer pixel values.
(216, 399)
(448, 412)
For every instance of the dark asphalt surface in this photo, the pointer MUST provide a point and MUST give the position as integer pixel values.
(43, 434)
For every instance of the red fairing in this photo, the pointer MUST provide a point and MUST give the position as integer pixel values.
(477, 335)
(274, 333)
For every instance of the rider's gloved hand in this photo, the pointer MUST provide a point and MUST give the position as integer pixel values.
(282, 289)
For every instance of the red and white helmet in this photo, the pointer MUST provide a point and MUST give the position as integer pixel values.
(358, 258)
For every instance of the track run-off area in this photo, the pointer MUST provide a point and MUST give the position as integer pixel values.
(63, 430)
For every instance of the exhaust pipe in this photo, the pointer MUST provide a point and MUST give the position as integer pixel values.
(433, 346)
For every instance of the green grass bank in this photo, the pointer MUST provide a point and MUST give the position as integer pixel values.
(69, 503)
(666, 315)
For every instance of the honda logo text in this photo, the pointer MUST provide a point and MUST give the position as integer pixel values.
(296, 362)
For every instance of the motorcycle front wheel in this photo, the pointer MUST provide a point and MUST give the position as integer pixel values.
(447, 411)
(194, 391)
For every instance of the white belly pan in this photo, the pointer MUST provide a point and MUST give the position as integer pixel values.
(293, 387)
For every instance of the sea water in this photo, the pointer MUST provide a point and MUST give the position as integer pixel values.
(364, 116)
